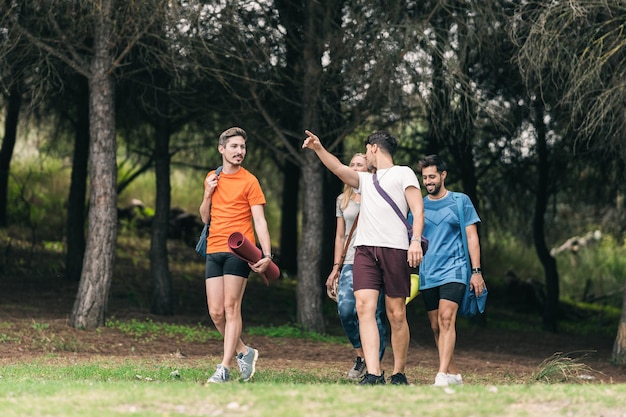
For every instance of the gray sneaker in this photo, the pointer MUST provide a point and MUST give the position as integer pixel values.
(358, 370)
(247, 363)
(221, 375)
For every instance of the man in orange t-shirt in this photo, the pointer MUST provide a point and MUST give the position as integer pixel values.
(231, 207)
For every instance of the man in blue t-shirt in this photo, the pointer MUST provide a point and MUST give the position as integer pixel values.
(444, 270)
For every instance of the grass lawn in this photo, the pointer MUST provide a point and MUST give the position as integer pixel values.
(139, 388)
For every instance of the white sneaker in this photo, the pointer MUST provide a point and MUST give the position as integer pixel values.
(441, 380)
(455, 379)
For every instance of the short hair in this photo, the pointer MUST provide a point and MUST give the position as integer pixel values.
(384, 140)
(230, 133)
(433, 160)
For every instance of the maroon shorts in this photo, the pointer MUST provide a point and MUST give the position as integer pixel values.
(382, 269)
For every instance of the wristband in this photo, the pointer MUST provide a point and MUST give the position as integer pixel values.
(477, 270)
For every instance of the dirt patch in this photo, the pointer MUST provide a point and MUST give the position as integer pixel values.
(34, 310)
(484, 355)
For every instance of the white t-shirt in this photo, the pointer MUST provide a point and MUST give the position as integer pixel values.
(379, 225)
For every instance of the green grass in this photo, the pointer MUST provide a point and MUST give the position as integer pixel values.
(289, 330)
(149, 329)
(595, 273)
(562, 367)
(142, 388)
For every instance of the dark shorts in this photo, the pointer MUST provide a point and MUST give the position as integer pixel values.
(382, 269)
(225, 263)
(452, 291)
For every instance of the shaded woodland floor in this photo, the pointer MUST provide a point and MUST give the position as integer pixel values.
(34, 308)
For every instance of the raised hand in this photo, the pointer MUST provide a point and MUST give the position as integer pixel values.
(312, 141)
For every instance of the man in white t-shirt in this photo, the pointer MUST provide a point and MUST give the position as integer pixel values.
(384, 255)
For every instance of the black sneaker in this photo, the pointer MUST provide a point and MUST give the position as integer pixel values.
(370, 379)
(399, 379)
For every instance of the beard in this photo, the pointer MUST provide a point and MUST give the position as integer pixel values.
(435, 190)
(236, 160)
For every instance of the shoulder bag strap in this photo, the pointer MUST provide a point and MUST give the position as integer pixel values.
(459, 205)
(347, 244)
(218, 171)
(394, 206)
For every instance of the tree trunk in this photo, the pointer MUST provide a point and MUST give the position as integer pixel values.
(289, 218)
(293, 18)
(78, 188)
(308, 289)
(91, 301)
(438, 103)
(162, 295)
(551, 309)
(6, 152)
(619, 347)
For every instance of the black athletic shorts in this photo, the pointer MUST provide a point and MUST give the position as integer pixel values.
(452, 291)
(225, 263)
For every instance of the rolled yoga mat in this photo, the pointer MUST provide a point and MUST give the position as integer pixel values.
(247, 251)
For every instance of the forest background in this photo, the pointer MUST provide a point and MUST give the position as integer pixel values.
(108, 102)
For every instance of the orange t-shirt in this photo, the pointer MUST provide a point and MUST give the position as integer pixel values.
(230, 208)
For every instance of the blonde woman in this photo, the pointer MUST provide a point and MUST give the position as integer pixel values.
(347, 208)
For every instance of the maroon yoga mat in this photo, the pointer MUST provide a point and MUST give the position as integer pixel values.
(247, 251)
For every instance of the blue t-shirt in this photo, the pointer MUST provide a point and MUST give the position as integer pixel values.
(445, 260)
